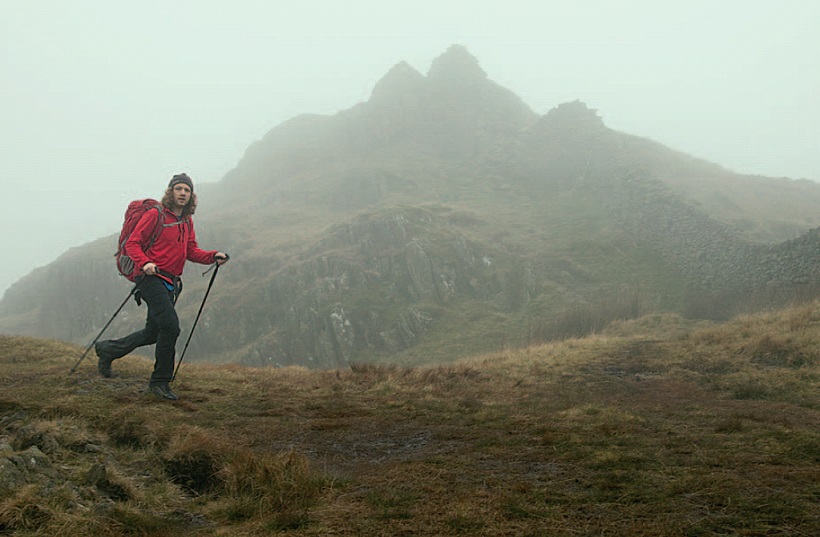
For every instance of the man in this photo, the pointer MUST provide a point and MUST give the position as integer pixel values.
(159, 282)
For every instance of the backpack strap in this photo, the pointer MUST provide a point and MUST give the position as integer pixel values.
(157, 227)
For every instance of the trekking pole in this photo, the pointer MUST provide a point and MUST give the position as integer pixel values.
(215, 268)
(133, 290)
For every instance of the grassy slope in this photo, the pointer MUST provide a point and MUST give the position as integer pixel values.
(652, 428)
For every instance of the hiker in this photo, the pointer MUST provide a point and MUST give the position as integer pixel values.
(159, 267)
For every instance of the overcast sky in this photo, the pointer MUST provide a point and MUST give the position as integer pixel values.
(102, 101)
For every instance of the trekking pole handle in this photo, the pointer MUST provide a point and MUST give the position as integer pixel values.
(226, 258)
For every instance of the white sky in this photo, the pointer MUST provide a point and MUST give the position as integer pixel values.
(102, 101)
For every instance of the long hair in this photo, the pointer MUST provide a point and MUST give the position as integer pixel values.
(168, 202)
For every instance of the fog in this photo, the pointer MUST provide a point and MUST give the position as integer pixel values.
(101, 102)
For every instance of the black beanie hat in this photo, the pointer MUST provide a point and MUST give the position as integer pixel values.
(181, 178)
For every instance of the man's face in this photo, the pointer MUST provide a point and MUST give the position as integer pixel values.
(182, 194)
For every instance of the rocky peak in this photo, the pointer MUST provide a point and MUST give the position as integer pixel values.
(400, 80)
(457, 65)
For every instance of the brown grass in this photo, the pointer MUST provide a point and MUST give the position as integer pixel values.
(655, 427)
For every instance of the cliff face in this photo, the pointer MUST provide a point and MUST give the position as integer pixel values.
(438, 219)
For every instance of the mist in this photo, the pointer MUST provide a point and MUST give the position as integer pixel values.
(103, 103)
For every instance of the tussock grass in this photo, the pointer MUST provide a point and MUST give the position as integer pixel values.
(24, 510)
(278, 488)
(655, 426)
(193, 457)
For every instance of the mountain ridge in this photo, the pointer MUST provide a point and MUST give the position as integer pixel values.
(444, 214)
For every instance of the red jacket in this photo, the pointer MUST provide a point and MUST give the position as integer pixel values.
(175, 244)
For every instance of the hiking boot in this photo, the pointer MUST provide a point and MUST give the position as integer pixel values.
(163, 391)
(104, 359)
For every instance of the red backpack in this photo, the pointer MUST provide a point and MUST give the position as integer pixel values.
(133, 214)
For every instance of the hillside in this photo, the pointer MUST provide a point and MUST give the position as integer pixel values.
(658, 426)
(443, 218)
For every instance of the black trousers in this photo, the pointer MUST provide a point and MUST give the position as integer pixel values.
(161, 327)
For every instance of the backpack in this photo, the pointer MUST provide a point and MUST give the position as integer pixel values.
(135, 210)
